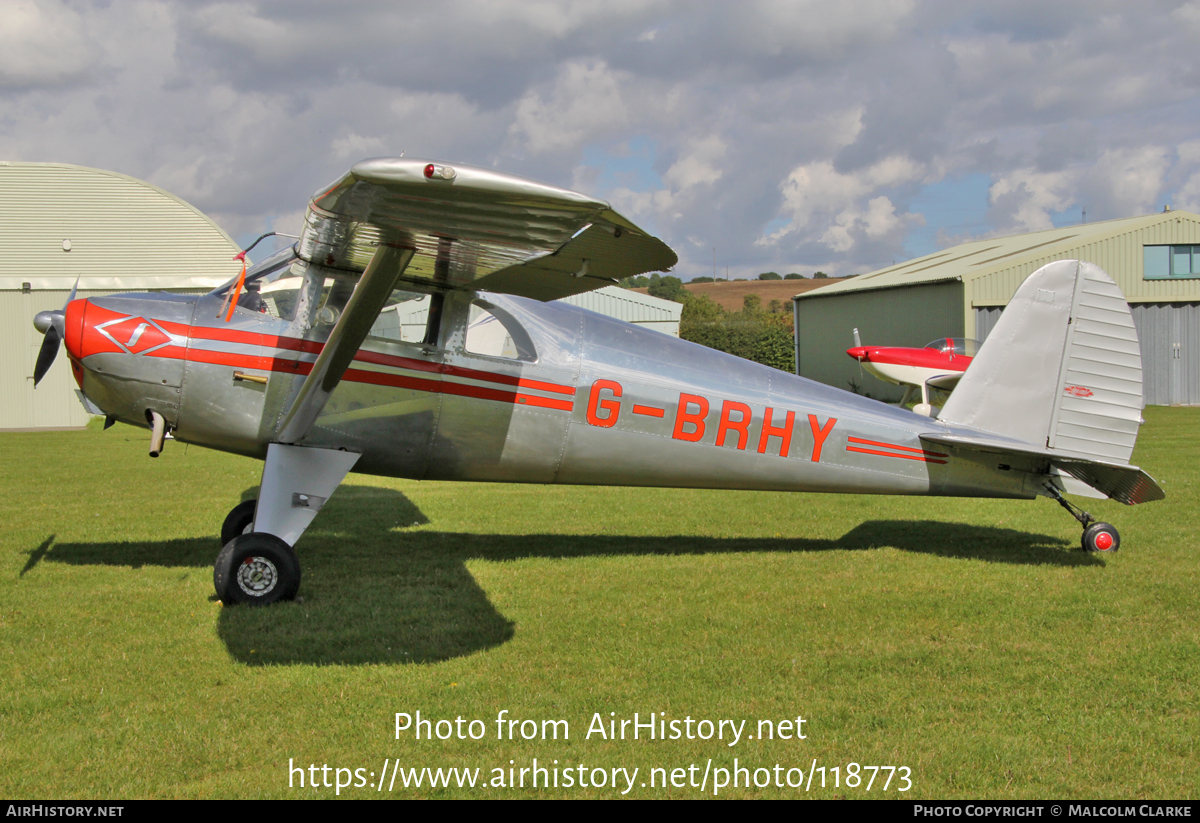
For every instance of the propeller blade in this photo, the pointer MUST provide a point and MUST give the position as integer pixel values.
(46, 354)
(51, 324)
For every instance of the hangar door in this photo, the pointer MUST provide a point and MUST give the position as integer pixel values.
(1170, 338)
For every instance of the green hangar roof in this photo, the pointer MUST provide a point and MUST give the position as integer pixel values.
(992, 268)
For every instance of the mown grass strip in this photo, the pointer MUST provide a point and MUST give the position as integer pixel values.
(967, 639)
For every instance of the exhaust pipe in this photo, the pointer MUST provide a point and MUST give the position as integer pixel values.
(158, 432)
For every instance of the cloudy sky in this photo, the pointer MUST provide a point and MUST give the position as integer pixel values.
(789, 136)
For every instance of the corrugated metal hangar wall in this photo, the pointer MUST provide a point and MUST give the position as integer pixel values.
(961, 291)
(60, 222)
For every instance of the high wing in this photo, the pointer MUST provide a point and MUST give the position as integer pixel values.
(472, 228)
(457, 227)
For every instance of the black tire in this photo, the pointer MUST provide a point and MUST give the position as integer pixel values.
(257, 569)
(239, 519)
(1101, 538)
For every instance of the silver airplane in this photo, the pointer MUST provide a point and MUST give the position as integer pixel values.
(409, 333)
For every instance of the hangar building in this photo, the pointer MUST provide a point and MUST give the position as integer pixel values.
(113, 232)
(961, 291)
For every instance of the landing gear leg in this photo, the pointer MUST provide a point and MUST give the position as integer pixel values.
(1097, 536)
(257, 564)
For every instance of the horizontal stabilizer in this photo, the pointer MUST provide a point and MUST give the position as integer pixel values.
(945, 382)
(1128, 484)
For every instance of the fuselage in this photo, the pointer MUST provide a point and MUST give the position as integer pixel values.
(574, 397)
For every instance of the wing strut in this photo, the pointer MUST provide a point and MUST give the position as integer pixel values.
(370, 295)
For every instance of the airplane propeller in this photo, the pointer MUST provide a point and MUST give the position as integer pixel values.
(53, 325)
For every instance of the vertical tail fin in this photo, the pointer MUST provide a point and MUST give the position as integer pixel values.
(1061, 370)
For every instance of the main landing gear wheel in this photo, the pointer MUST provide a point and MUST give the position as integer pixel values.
(238, 521)
(1102, 538)
(256, 568)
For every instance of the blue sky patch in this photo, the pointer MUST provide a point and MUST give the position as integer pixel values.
(955, 206)
(628, 164)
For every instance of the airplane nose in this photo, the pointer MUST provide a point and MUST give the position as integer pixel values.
(55, 325)
(859, 353)
(73, 326)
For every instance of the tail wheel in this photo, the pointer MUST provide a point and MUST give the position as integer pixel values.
(238, 521)
(1102, 538)
(256, 568)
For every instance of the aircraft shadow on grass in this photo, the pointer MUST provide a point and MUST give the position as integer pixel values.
(374, 595)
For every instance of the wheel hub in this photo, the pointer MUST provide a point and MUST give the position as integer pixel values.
(256, 576)
(1104, 541)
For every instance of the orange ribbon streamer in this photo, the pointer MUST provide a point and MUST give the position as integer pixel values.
(237, 289)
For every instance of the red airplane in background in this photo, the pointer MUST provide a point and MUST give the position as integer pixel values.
(938, 365)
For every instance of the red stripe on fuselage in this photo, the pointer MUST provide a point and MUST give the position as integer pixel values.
(893, 446)
(460, 371)
(403, 381)
(891, 454)
(377, 358)
(98, 343)
(245, 361)
(248, 338)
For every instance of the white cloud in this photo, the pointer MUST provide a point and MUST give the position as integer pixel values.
(42, 44)
(817, 192)
(1187, 196)
(815, 27)
(584, 103)
(355, 147)
(699, 165)
(1119, 183)
(247, 108)
(1024, 199)
(1129, 180)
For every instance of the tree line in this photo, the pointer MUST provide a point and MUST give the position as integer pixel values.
(642, 281)
(758, 333)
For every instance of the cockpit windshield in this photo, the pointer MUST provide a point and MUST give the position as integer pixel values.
(282, 283)
(955, 345)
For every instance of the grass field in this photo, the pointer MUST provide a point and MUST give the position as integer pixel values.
(968, 640)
